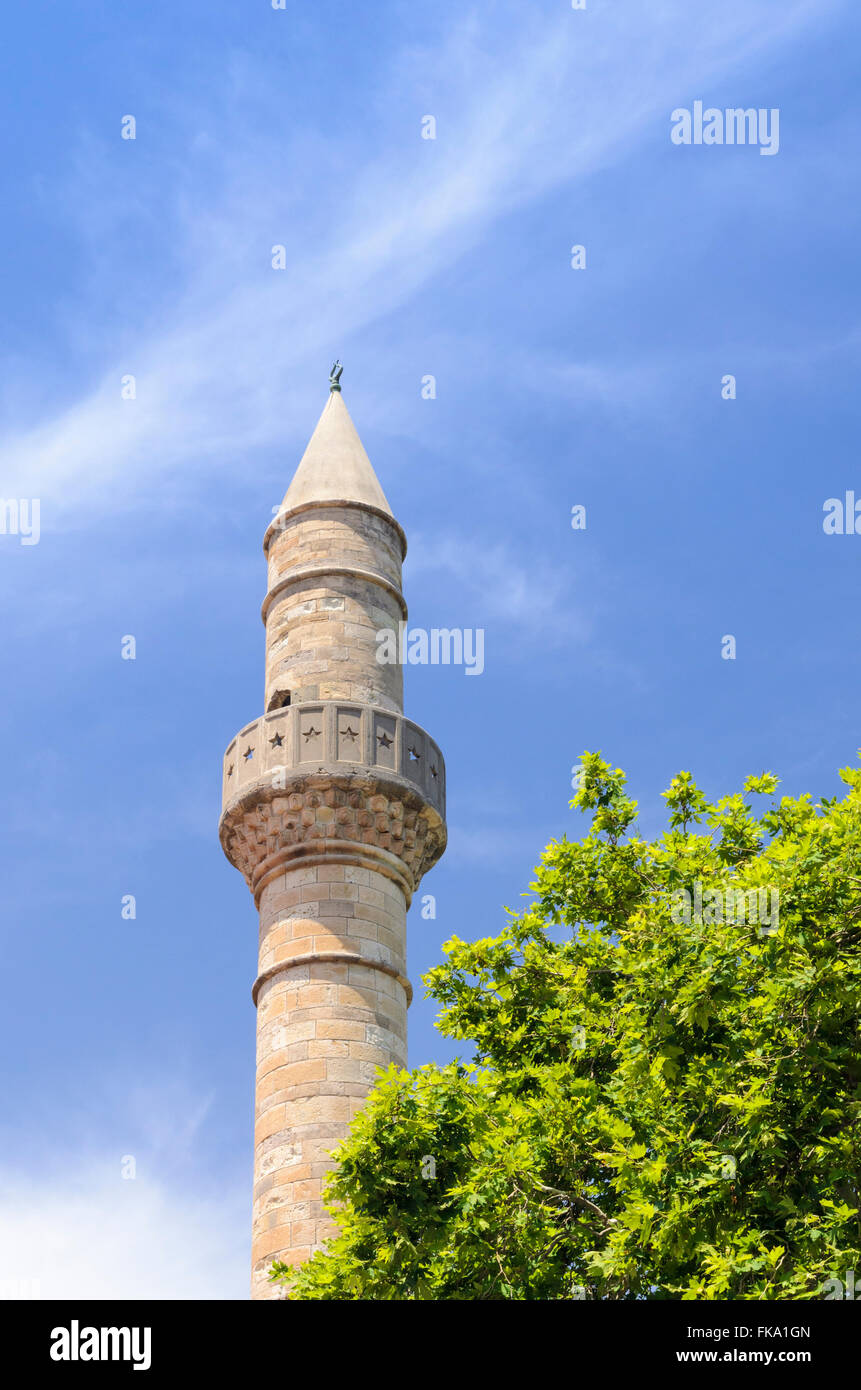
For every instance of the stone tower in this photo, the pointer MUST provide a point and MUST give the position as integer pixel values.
(333, 809)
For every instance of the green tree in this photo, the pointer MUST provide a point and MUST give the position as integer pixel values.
(666, 1091)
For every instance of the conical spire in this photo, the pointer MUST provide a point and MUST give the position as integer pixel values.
(335, 467)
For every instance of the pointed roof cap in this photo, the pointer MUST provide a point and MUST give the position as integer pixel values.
(335, 467)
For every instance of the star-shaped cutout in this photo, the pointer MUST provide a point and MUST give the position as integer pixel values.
(311, 733)
(248, 754)
(276, 741)
(351, 734)
(434, 772)
(384, 740)
(414, 756)
(230, 770)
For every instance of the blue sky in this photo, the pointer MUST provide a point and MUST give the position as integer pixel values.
(555, 387)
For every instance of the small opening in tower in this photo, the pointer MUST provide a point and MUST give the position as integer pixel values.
(280, 700)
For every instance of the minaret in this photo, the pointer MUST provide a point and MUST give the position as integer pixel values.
(333, 809)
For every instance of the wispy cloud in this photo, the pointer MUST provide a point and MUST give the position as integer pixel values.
(495, 586)
(220, 363)
(78, 1233)
(79, 1220)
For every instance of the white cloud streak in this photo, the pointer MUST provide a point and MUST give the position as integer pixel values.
(81, 1234)
(220, 364)
(75, 1227)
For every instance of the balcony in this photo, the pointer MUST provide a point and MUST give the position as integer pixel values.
(330, 736)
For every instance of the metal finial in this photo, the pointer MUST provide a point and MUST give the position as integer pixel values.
(335, 377)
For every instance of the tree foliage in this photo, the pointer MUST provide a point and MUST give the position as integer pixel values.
(662, 1103)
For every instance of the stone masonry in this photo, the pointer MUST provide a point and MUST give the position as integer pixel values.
(333, 809)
